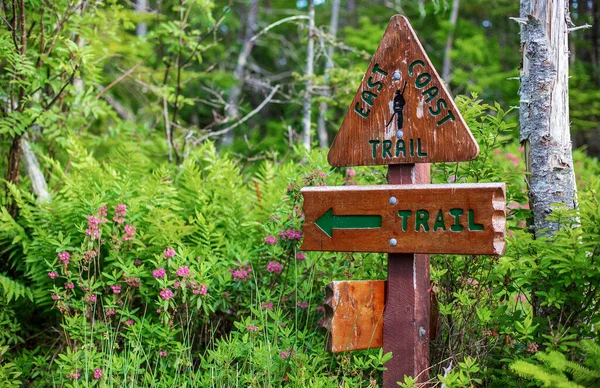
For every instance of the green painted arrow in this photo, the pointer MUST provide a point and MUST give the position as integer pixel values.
(327, 222)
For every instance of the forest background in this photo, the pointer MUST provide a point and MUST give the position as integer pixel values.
(152, 154)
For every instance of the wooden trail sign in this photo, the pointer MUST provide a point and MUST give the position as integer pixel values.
(401, 116)
(458, 218)
(402, 112)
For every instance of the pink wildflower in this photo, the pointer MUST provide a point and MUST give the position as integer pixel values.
(158, 311)
(351, 173)
(129, 232)
(116, 288)
(129, 322)
(176, 285)
(169, 252)
(103, 211)
(162, 353)
(137, 262)
(91, 298)
(120, 212)
(242, 273)
(267, 306)
(159, 273)
(69, 286)
(93, 229)
(513, 158)
(109, 312)
(521, 297)
(300, 256)
(302, 305)
(55, 297)
(290, 234)
(53, 275)
(133, 282)
(63, 258)
(203, 289)
(74, 375)
(98, 373)
(287, 353)
(271, 240)
(166, 294)
(227, 294)
(252, 328)
(183, 271)
(472, 281)
(275, 267)
(320, 309)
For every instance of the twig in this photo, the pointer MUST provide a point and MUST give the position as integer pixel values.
(168, 129)
(270, 26)
(242, 120)
(123, 76)
(585, 26)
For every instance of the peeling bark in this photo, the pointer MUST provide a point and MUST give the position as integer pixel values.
(309, 73)
(32, 167)
(333, 25)
(544, 110)
(232, 109)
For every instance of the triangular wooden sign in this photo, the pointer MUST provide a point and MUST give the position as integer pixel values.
(402, 112)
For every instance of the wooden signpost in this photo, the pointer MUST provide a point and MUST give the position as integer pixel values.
(401, 116)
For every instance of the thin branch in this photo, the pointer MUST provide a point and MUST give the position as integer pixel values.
(585, 26)
(242, 120)
(124, 75)
(271, 26)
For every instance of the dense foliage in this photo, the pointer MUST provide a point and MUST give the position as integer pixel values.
(153, 256)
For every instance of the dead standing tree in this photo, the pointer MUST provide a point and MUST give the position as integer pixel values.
(544, 109)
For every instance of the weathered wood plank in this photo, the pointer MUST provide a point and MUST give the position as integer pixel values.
(454, 219)
(354, 312)
(402, 112)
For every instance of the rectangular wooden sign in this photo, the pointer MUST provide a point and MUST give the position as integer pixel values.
(453, 219)
(354, 313)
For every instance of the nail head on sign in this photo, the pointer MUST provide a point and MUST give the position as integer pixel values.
(393, 242)
(393, 201)
(397, 75)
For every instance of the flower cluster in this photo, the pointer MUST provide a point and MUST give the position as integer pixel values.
(166, 294)
(93, 229)
(91, 298)
(53, 275)
(63, 258)
(242, 273)
(116, 289)
(159, 273)
(271, 240)
(183, 271)
(133, 282)
(275, 267)
(69, 286)
(300, 256)
(98, 374)
(109, 312)
(129, 232)
(290, 234)
(287, 353)
(201, 291)
(120, 213)
(162, 354)
(302, 305)
(168, 253)
(74, 375)
(252, 328)
(267, 306)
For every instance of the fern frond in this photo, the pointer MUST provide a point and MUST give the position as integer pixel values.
(13, 289)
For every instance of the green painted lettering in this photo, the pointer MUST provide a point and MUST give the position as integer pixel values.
(374, 144)
(400, 147)
(472, 225)
(404, 214)
(419, 151)
(422, 80)
(412, 66)
(439, 222)
(411, 145)
(450, 116)
(431, 93)
(438, 106)
(377, 69)
(387, 149)
(361, 112)
(368, 97)
(456, 213)
(422, 216)
(378, 84)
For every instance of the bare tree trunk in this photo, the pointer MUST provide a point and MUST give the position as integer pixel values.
(232, 109)
(333, 25)
(309, 73)
(449, 41)
(141, 6)
(544, 109)
(31, 165)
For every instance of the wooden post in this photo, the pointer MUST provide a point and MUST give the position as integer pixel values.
(406, 314)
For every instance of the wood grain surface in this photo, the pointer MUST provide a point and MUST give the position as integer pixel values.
(453, 219)
(401, 90)
(354, 312)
